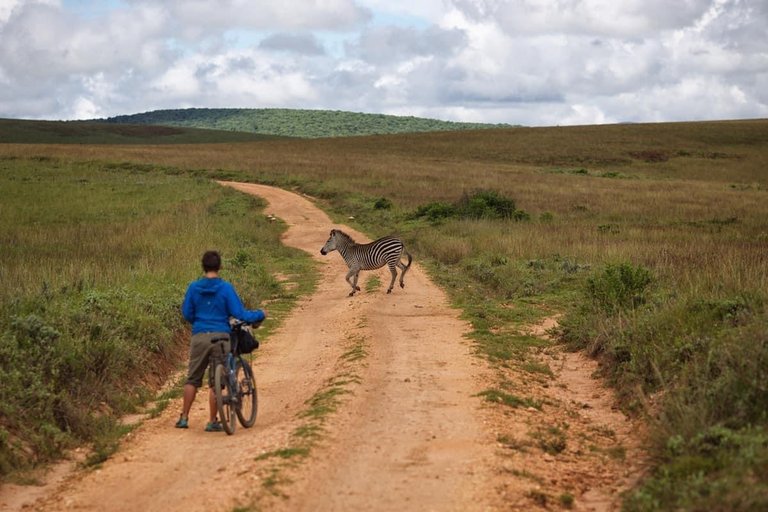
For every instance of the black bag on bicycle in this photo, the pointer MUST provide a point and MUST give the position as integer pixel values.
(245, 342)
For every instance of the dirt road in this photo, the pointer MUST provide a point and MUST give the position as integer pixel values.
(408, 431)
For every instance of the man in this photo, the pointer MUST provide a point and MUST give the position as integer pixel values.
(208, 305)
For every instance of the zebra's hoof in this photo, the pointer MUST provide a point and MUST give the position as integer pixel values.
(389, 291)
(351, 294)
(402, 285)
(357, 288)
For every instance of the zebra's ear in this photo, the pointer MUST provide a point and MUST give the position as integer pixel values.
(333, 232)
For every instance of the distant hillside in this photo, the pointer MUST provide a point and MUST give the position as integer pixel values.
(295, 123)
(85, 132)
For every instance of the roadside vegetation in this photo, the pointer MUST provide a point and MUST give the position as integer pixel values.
(650, 240)
(96, 259)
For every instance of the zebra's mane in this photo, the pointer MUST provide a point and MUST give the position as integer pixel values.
(344, 235)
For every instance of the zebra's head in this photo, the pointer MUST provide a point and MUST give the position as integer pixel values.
(330, 245)
(338, 241)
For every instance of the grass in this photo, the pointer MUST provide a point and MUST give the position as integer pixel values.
(508, 399)
(285, 453)
(650, 239)
(372, 283)
(552, 439)
(84, 132)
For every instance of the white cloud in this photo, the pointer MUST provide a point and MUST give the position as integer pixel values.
(241, 78)
(625, 18)
(306, 44)
(533, 62)
(197, 18)
(8, 6)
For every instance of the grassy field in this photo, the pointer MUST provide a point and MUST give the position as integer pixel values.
(83, 132)
(651, 240)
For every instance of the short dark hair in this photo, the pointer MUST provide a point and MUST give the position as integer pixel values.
(211, 261)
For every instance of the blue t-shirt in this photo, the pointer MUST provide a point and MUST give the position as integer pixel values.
(210, 302)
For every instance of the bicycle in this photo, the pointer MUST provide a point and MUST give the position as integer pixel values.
(234, 384)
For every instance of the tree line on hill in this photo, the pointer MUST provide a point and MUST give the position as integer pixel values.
(295, 122)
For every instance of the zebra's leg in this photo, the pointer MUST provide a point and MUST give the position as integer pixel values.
(403, 268)
(393, 271)
(353, 283)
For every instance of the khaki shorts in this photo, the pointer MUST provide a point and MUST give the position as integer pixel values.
(204, 354)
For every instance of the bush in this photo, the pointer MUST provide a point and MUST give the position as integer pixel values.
(619, 287)
(382, 203)
(486, 204)
(435, 211)
(481, 204)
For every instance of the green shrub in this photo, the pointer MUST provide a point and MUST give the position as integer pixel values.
(481, 204)
(486, 204)
(711, 471)
(546, 217)
(435, 211)
(618, 287)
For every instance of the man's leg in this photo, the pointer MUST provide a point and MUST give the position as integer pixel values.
(212, 403)
(189, 397)
(198, 359)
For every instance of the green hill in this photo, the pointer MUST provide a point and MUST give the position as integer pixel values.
(294, 122)
(88, 132)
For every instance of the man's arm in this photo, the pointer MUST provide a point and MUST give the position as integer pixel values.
(237, 310)
(188, 307)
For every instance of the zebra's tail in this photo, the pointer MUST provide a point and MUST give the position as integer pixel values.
(405, 269)
(410, 259)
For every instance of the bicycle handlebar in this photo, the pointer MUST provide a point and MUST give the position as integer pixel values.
(240, 323)
(235, 325)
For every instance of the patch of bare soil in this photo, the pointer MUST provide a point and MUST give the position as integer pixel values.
(408, 432)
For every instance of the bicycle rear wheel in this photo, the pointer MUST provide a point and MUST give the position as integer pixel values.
(224, 399)
(248, 403)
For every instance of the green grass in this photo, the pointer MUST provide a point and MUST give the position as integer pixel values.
(286, 453)
(372, 284)
(508, 399)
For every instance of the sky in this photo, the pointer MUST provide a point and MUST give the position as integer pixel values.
(525, 62)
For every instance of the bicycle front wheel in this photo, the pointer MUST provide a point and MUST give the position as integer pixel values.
(225, 402)
(248, 403)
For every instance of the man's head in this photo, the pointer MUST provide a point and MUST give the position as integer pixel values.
(211, 261)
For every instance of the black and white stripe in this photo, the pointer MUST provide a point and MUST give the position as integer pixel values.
(384, 251)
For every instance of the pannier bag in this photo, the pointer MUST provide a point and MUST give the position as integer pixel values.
(245, 340)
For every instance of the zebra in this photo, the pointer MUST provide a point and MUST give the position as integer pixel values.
(386, 250)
